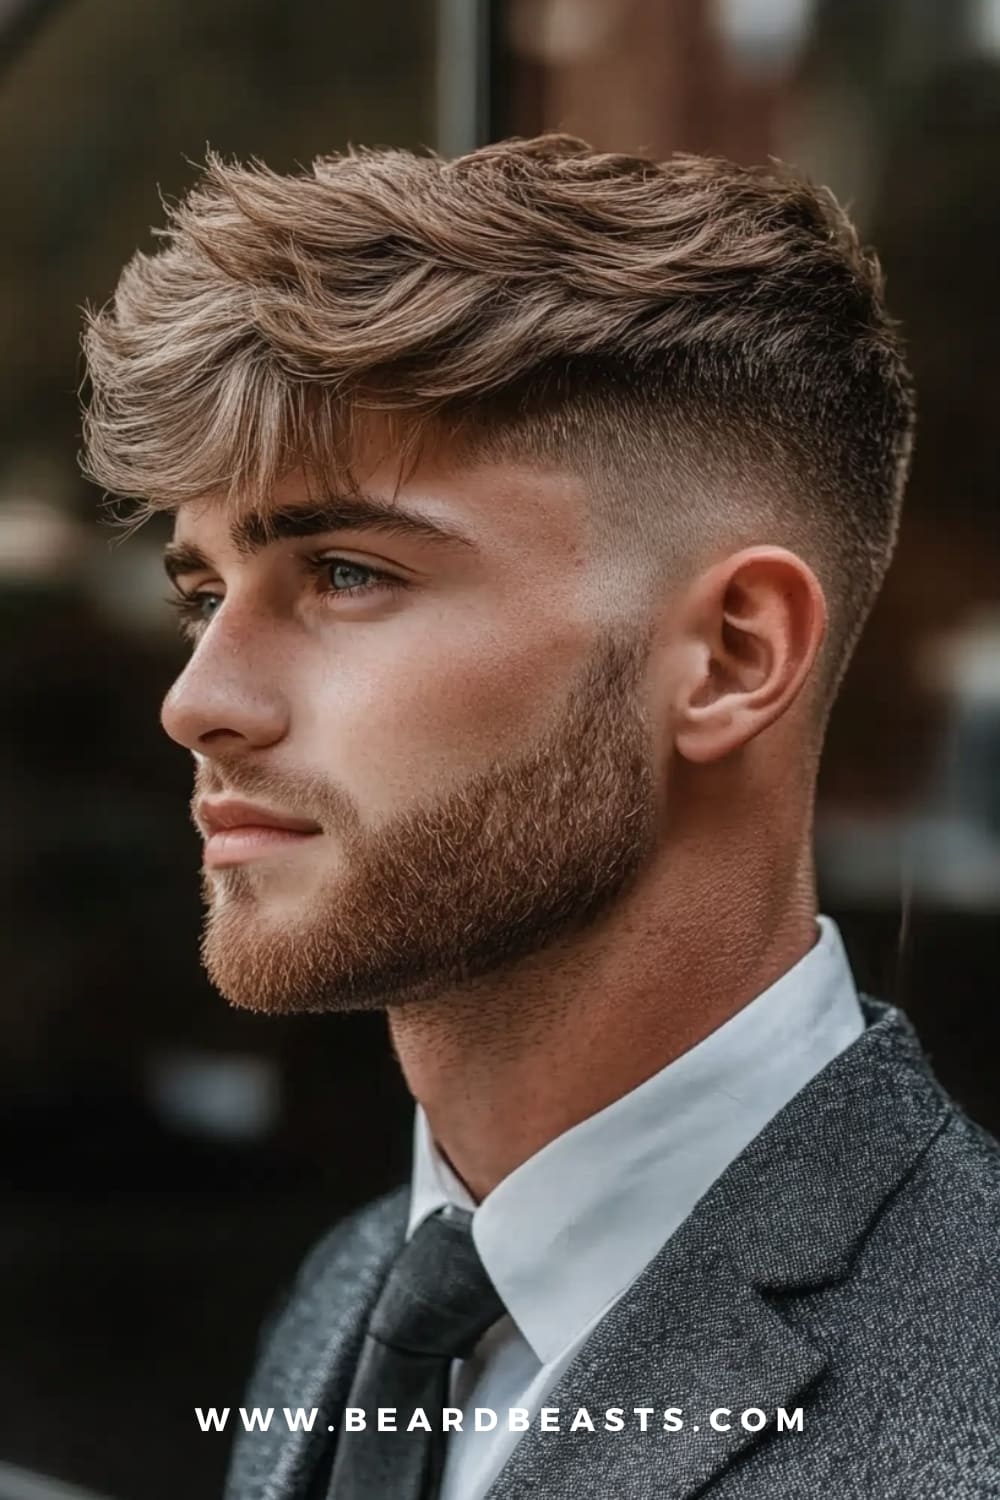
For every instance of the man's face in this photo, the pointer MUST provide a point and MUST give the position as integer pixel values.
(458, 712)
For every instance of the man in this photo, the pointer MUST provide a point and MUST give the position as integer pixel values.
(528, 507)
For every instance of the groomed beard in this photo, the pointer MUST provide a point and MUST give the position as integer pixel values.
(534, 848)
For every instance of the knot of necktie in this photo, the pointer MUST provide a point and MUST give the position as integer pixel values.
(436, 1303)
(438, 1298)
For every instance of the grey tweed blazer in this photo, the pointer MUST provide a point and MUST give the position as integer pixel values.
(847, 1262)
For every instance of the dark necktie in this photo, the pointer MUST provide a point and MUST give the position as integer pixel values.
(434, 1307)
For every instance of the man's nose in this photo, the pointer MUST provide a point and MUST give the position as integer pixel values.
(220, 699)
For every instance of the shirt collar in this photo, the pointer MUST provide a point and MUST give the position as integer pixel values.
(571, 1228)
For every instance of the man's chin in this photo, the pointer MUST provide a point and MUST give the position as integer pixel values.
(244, 987)
(331, 1001)
(288, 977)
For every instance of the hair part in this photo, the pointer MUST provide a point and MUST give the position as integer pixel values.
(706, 344)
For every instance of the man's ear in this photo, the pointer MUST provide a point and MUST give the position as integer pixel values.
(748, 632)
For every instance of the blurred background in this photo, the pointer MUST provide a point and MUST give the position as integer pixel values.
(166, 1160)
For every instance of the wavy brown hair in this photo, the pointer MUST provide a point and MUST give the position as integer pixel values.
(704, 344)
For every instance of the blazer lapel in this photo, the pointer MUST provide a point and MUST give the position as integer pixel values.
(310, 1356)
(701, 1327)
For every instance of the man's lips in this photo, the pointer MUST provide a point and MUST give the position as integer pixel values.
(224, 814)
(236, 831)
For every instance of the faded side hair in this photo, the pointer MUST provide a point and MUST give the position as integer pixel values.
(706, 344)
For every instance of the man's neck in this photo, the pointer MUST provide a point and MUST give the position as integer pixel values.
(502, 1068)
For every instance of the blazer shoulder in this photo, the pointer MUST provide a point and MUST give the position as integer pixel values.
(962, 1165)
(943, 1224)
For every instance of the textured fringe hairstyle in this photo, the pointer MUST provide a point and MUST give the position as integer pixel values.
(705, 344)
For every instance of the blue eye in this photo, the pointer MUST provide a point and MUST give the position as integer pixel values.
(189, 608)
(338, 576)
(346, 575)
(332, 578)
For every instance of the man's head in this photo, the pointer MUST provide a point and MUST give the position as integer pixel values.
(515, 485)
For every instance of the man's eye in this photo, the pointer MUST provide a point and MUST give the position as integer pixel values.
(190, 608)
(346, 577)
(337, 576)
(333, 578)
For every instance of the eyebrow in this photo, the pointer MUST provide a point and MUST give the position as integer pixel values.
(258, 529)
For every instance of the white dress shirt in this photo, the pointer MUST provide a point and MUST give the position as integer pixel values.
(566, 1233)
